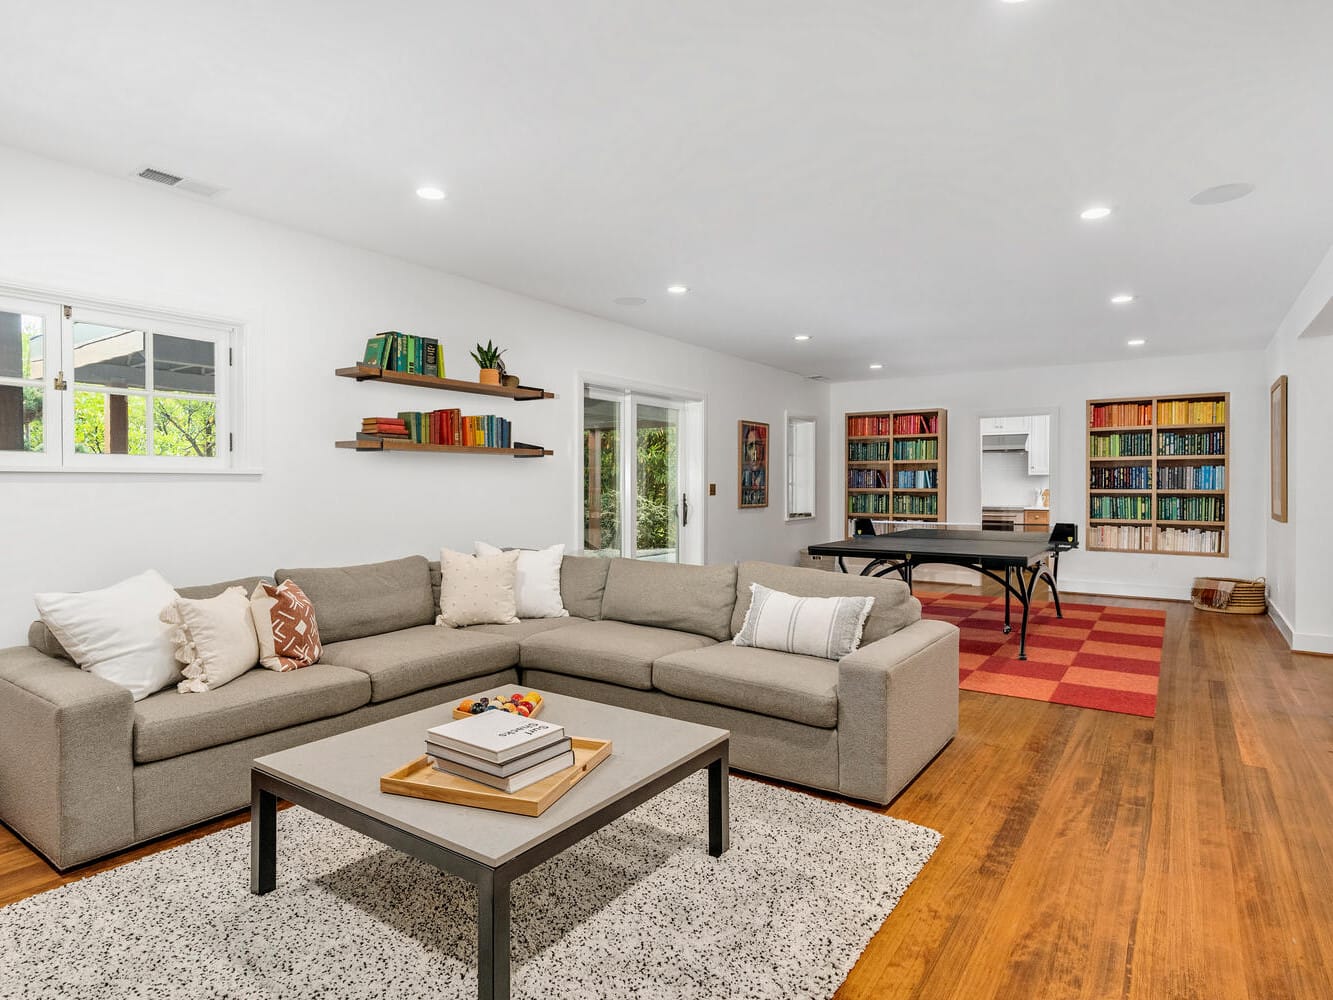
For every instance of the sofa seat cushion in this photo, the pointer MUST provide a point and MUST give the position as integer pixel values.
(414, 659)
(525, 627)
(616, 652)
(783, 685)
(260, 701)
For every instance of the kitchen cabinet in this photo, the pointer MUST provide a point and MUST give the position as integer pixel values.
(1039, 446)
(1005, 425)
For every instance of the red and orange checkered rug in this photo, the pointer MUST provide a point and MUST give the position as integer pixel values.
(1093, 657)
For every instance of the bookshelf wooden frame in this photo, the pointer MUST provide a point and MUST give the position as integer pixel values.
(365, 373)
(892, 466)
(1154, 462)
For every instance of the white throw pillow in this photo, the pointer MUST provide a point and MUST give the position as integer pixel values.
(477, 590)
(214, 638)
(814, 626)
(117, 633)
(537, 585)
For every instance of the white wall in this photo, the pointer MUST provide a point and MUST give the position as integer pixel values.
(1065, 390)
(1300, 552)
(308, 305)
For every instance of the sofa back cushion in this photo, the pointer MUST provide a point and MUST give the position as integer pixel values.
(583, 584)
(352, 602)
(894, 608)
(44, 641)
(697, 599)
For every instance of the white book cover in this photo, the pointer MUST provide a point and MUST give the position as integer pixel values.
(496, 736)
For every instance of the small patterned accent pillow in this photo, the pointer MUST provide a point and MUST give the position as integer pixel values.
(813, 626)
(214, 638)
(285, 626)
(477, 590)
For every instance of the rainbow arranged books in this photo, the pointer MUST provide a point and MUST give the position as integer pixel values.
(404, 352)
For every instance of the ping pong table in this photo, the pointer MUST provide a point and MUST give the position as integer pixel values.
(1015, 560)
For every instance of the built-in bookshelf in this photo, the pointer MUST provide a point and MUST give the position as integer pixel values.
(896, 465)
(1157, 474)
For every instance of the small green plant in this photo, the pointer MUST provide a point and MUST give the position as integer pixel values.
(488, 356)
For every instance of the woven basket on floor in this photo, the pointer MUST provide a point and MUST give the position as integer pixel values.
(1247, 597)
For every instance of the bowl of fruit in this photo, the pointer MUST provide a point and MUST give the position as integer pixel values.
(517, 703)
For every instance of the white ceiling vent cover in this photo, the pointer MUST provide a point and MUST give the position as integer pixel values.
(160, 176)
(179, 183)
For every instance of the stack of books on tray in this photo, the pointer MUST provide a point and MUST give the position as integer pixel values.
(499, 749)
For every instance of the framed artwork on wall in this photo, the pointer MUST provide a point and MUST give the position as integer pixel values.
(752, 490)
(1277, 448)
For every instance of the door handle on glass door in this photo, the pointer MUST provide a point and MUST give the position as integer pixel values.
(684, 510)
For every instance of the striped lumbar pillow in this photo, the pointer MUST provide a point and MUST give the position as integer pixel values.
(814, 626)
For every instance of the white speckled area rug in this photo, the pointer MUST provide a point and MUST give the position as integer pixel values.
(638, 909)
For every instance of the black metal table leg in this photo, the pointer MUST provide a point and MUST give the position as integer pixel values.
(719, 806)
(1007, 571)
(493, 937)
(263, 839)
(1025, 596)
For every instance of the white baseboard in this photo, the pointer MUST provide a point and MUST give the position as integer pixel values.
(1283, 625)
(1306, 642)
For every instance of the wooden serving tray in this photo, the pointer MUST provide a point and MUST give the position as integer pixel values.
(420, 780)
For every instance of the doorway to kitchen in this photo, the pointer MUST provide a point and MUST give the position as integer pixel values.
(1017, 451)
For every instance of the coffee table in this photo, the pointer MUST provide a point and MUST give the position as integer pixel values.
(339, 778)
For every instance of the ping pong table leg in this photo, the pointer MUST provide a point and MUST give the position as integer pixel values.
(1007, 627)
(1025, 596)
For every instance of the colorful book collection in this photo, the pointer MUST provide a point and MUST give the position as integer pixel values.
(916, 423)
(1192, 477)
(924, 450)
(1192, 443)
(882, 426)
(1190, 411)
(1191, 509)
(1131, 538)
(1120, 508)
(447, 427)
(868, 503)
(1120, 477)
(1189, 540)
(916, 479)
(869, 426)
(1121, 415)
(403, 352)
(863, 479)
(1135, 444)
(916, 505)
(868, 451)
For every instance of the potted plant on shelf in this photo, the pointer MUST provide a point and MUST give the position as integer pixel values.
(488, 360)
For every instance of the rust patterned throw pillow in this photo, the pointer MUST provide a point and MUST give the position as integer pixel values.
(285, 626)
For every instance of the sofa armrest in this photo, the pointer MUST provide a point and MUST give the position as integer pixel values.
(897, 708)
(66, 766)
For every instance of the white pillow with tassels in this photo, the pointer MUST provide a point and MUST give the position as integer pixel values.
(214, 638)
(829, 627)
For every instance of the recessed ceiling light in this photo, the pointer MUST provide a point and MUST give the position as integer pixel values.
(678, 289)
(1222, 193)
(801, 336)
(1136, 342)
(430, 193)
(876, 366)
(1094, 212)
(1124, 298)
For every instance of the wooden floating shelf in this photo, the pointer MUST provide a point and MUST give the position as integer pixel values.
(390, 445)
(364, 373)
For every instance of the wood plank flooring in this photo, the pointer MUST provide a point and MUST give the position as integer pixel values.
(1093, 855)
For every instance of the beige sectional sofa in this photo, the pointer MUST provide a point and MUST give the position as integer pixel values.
(86, 771)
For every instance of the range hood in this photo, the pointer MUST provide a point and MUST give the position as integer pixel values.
(1004, 442)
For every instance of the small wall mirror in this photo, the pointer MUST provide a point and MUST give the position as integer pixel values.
(800, 468)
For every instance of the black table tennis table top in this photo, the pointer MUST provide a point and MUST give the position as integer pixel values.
(949, 544)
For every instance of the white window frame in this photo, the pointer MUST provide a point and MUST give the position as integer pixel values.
(791, 467)
(231, 389)
(692, 544)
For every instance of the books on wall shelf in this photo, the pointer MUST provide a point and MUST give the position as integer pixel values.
(447, 427)
(404, 352)
(1135, 414)
(499, 749)
(1191, 411)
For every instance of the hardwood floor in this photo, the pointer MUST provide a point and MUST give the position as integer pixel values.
(1093, 855)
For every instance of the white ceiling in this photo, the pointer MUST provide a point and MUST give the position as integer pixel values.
(899, 179)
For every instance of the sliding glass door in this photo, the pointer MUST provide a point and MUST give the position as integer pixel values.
(636, 476)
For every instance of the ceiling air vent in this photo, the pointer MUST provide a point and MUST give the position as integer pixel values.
(817, 378)
(160, 176)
